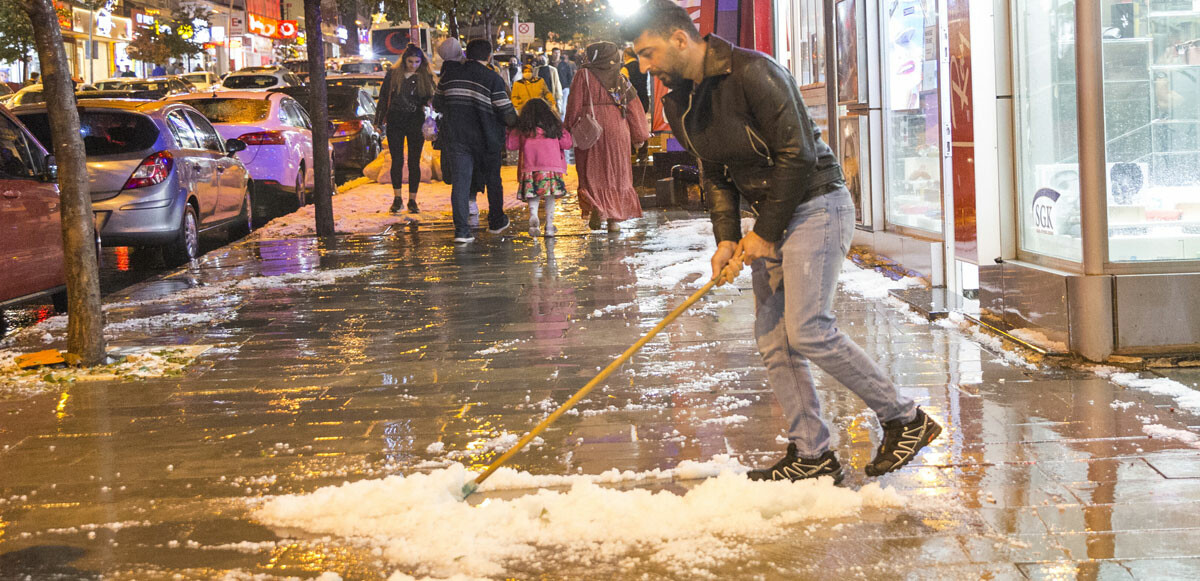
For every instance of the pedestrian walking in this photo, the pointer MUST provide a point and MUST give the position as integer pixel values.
(529, 87)
(550, 75)
(605, 171)
(34, 78)
(741, 113)
(451, 53)
(476, 110)
(407, 89)
(540, 137)
(637, 77)
(159, 71)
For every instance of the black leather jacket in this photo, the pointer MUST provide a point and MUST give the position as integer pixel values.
(749, 128)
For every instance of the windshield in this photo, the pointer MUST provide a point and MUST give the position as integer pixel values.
(370, 85)
(197, 78)
(108, 85)
(232, 110)
(144, 86)
(28, 98)
(360, 68)
(104, 132)
(250, 82)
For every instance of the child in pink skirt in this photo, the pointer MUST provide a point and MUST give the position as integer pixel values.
(541, 138)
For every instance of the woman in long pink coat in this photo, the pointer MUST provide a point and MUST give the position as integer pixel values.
(606, 169)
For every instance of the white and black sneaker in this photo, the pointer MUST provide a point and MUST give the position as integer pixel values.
(901, 443)
(793, 467)
(502, 227)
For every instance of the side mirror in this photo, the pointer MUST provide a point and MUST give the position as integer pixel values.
(51, 173)
(234, 145)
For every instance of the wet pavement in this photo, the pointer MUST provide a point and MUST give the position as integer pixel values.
(1042, 473)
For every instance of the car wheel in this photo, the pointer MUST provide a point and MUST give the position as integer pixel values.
(301, 193)
(59, 300)
(186, 244)
(244, 223)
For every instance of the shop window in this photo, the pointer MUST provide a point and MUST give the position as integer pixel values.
(911, 104)
(1151, 57)
(1047, 134)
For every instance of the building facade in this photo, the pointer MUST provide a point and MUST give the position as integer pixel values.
(1039, 161)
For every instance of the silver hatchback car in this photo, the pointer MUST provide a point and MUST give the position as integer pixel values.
(160, 175)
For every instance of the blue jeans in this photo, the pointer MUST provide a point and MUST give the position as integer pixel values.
(794, 324)
(463, 163)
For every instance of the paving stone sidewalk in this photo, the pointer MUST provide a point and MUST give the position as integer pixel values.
(1042, 473)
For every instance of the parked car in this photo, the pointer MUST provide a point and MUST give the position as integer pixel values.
(111, 84)
(358, 65)
(156, 87)
(260, 78)
(354, 137)
(33, 94)
(278, 137)
(371, 82)
(30, 234)
(160, 175)
(202, 80)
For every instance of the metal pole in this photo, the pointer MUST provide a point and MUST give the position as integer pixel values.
(517, 40)
(228, 41)
(91, 47)
(1093, 196)
(414, 33)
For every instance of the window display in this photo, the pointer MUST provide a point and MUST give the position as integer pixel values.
(1152, 128)
(911, 116)
(1047, 134)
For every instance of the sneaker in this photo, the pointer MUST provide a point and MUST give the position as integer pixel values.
(551, 231)
(463, 239)
(614, 226)
(793, 467)
(502, 228)
(901, 443)
(535, 229)
(594, 221)
(474, 211)
(397, 206)
(412, 207)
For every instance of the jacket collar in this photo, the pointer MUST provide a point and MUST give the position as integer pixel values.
(718, 59)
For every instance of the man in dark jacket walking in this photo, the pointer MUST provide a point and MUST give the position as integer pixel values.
(475, 111)
(741, 115)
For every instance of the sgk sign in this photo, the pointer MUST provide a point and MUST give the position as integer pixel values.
(271, 28)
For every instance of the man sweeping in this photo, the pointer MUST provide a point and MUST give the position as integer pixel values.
(741, 115)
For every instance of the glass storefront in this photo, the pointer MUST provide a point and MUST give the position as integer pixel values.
(913, 172)
(1047, 134)
(1151, 52)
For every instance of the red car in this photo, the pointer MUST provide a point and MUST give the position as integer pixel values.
(31, 255)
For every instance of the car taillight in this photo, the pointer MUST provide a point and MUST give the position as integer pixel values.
(347, 128)
(152, 171)
(264, 138)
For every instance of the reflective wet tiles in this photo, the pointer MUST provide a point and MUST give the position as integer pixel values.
(1038, 475)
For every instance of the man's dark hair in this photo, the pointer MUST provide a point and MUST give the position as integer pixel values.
(662, 17)
(479, 50)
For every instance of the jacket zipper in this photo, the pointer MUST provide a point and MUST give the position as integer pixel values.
(754, 141)
(686, 138)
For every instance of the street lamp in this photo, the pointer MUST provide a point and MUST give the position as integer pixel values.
(623, 7)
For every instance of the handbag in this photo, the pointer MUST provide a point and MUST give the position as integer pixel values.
(587, 131)
(429, 129)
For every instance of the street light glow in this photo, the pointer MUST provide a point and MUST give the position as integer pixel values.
(624, 7)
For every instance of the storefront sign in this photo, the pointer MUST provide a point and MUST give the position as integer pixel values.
(342, 34)
(271, 28)
(1043, 210)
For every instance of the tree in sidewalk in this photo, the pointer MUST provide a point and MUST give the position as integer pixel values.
(319, 111)
(16, 34)
(176, 39)
(85, 319)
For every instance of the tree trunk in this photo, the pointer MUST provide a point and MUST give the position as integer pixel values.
(322, 165)
(85, 319)
(452, 17)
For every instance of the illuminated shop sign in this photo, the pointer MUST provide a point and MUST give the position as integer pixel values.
(271, 28)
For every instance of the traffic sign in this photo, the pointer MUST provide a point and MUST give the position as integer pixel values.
(525, 32)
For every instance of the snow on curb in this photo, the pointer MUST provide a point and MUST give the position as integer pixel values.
(1162, 432)
(1185, 397)
(139, 363)
(419, 522)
